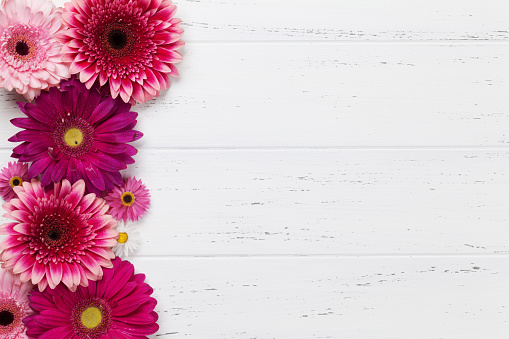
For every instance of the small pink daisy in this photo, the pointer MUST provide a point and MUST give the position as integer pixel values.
(30, 56)
(13, 306)
(129, 201)
(11, 176)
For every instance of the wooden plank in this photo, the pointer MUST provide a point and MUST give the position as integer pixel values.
(222, 202)
(300, 95)
(326, 20)
(388, 297)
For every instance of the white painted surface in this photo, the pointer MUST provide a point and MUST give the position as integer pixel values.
(329, 169)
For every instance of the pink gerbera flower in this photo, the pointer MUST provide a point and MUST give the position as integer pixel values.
(131, 44)
(11, 176)
(76, 133)
(57, 236)
(118, 306)
(13, 306)
(129, 201)
(30, 56)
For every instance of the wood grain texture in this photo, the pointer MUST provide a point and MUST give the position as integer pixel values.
(315, 95)
(328, 20)
(333, 20)
(330, 297)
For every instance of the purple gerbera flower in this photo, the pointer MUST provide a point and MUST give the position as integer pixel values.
(77, 133)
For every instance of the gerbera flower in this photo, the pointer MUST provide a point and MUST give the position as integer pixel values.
(131, 44)
(57, 236)
(13, 306)
(75, 133)
(11, 176)
(118, 306)
(129, 201)
(127, 242)
(30, 56)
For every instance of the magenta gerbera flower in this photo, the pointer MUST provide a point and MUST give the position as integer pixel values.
(75, 133)
(129, 201)
(14, 306)
(57, 236)
(131, 44)
(118, 306)
(30, 56)
(11, 176)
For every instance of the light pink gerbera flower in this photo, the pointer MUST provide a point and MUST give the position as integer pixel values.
(131, 44)
(14, 306)
(58, 236)
(129, 201)
(30, 56)
(11, 176)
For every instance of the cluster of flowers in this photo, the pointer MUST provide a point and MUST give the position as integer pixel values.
(81, 68)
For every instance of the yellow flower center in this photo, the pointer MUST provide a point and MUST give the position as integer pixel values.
(91, 317)
(122, 237)
(15, 181)
(127, 198)
(73, 137)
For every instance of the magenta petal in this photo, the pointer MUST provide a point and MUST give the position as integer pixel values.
(38, 166)
(105, 162)
(138, 318)
(30, 135)
(111, 148)
(57, 332)
(46, 174)
(102, 110)
(59, 170)
(116, 123)
(94, 175)
(18, 150)
(30, 124)
(36, 147)
(114, 177)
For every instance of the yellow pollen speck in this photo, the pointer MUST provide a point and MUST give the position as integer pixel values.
(91, 317)
(73, 137)
(127, 198)
(15, 181)
(122, 237)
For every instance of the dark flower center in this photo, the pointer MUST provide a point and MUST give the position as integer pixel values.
(22, 48)
(54, 234)
(117, 39)
(127, 199)
(15, 181)
(55, 231)
(6, 318)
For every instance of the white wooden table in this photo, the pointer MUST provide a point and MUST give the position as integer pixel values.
(329, 169)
